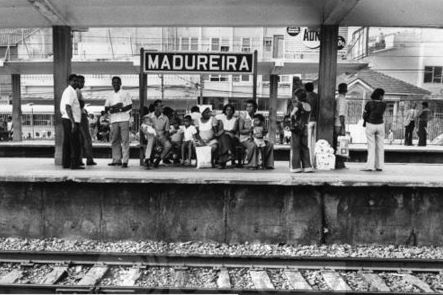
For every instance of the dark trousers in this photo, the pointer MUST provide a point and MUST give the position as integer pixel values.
(299, 150)
(227, 144)
(71, 144)
(86, 141)
(422, 133)
(339, 161)
(408, 133)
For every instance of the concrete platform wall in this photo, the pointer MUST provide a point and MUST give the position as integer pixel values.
(224, 213)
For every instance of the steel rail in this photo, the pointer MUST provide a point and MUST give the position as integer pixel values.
(302, 262)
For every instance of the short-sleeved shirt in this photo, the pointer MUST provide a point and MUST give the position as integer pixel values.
(195, 117)
(177, 136)
(248, 124)
(228, 125)
(341, 108)
(189, 133)
(69, 97)
(119, 97)
(161, 123)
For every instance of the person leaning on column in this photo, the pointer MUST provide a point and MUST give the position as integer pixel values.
(119, 105)
(71, 117)
(341, 110)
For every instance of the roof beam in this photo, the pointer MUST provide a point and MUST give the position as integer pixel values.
(48, 11)
(336, 11)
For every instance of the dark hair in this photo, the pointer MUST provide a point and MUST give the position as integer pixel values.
(116, 78)
(81, 77)
(168, 112)
(228, 106)
(342, 88)
(145, 111)
(195, 109)
(188, 117)
(425, 104)
(72, 77)
(300, 93)
(175, 120)
(151, 108)
(260, 117)
(156, 102)
(377, 94)
(309, 87)
(254, 104)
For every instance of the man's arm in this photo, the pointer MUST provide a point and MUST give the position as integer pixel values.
(242, 129)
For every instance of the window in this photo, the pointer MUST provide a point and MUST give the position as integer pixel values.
(245, 78)
(218, 78)
(194, 44)
(215, 44)
(184, 44)
(267, 44)
(240, 78)
(235, 78)
(246, 45)
(284, 79)
(433, 74)
(224, 45)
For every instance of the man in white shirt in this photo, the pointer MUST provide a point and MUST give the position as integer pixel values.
(409, 123)
(71, 116)
(341, 110)
(119, 105)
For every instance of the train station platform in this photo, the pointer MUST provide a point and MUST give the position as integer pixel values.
(395, 153)
(401, 205)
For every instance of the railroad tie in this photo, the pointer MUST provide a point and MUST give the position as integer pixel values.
(130, 277)
(223, 281)
(181, 277)
(296, 280)
(93, 276)
(335, 281)
(54, 276)
(261, 279)
(11, 277)
(418, 283)
(376, 283)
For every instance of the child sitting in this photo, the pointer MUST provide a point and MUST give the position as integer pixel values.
(188, 141)
(149, 133)
(176, 131)
(258, 135)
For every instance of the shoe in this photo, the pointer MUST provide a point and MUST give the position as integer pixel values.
(367, 170)
(251, 167)
(269, 167)
(378, 169)
(114, 164)
(77, 168)
(91, 163)
(81, 164)
(156, 163)
(239, 165)
(298, 170)
(308, 170)
(125, 165)
(167, 161)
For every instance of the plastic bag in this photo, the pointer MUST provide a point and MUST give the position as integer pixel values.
(203, 156)
(343, 146)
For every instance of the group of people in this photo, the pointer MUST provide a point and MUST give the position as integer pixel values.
(77, 143)
(415, 119)
(6, 129)
(232, 139)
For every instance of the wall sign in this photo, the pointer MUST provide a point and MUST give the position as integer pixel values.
(293, 31)
(311, 39)
(198, 62)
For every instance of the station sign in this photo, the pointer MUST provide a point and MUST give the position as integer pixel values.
(311, 39)
(195, 62)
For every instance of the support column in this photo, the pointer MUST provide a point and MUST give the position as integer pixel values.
(16, 107)
(143, 99)
(62, 50)
(254, 76)
(273, 89)
(326, 81)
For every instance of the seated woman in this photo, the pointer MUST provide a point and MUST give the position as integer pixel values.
(228, 139)
(207, 132)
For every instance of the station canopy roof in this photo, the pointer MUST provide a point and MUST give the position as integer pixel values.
(144, 13)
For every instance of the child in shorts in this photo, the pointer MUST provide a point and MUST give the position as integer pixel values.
(189, 133)
(258, 135)
(149, 133)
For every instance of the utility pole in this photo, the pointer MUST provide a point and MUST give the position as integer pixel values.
(162, 85)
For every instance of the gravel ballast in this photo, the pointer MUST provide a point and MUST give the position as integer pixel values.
(212, 248)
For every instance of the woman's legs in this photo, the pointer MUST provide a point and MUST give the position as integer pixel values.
(370, 135)
(379, 146)
(304, 151)
(295, 162)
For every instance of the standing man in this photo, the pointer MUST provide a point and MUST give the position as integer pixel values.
(71, 117)
(161, 126)
(119, 105)
(423, 119)
(245, 127)
(312, 99)
(341, 110)
(85, 136)
(409, 123)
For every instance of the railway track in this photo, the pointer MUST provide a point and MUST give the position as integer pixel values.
(73, 272)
